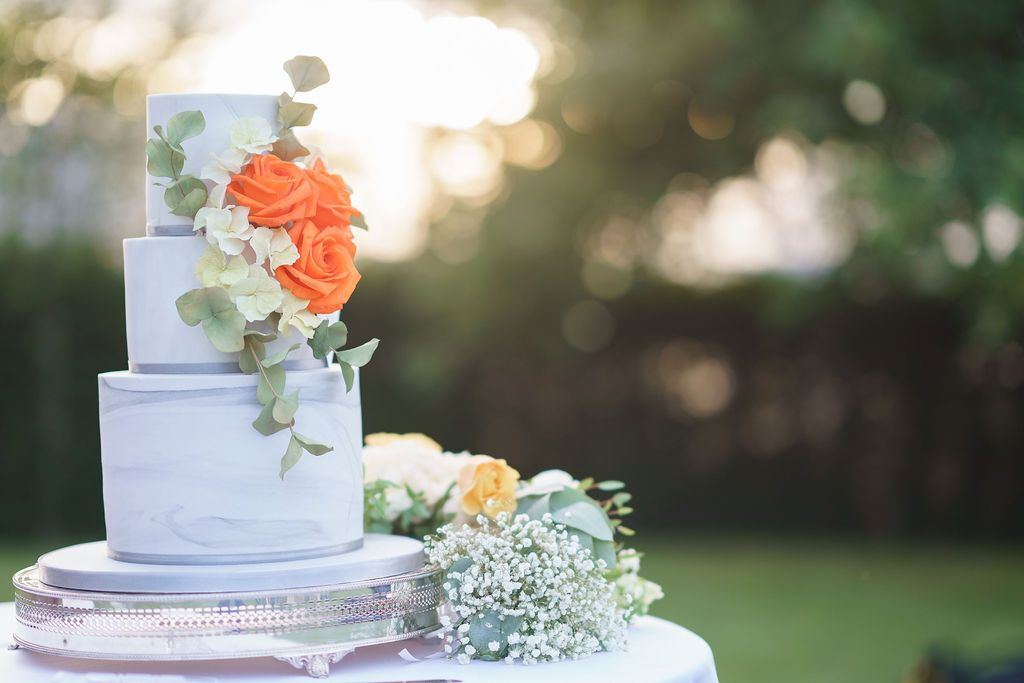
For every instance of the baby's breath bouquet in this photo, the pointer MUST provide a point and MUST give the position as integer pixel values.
(535, 570)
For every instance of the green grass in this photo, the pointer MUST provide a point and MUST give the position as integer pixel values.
(831, 612)
(815, 612)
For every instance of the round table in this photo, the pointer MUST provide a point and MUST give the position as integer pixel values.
(659, 652)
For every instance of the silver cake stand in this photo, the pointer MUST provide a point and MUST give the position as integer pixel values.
(310, 627)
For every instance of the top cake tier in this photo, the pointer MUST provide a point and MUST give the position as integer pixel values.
(220, 111)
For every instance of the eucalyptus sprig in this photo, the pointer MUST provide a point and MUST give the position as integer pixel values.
(330, 337)
(165, 158)
(306, 73)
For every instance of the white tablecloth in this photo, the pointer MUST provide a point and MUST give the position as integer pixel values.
(659, 652)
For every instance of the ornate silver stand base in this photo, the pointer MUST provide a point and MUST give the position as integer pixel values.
(309, 628)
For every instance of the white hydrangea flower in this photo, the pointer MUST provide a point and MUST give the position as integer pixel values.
(228, 228)
(252, 134)
(295, 314)
(547, 481)
(220, 168)
(256, 296)
(215, 197)
(214, 269)
(273, 244)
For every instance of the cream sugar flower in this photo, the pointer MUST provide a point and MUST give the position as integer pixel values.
(252, 134)
(214, 269)
(258, 295)
(221, 168)
(295, 314)
(273, 244)
(228, 228)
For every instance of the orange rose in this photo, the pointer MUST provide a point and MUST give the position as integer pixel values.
(334, 202)
(325, 272)
(276, 191)
(488, 486)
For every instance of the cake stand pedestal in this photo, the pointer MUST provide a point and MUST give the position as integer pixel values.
(379, 594)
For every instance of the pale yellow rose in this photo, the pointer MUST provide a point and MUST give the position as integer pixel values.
(488, 486)
(386, 438)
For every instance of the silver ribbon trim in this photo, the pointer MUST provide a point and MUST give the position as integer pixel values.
(216, 368)
(248, 558)
(170, 230)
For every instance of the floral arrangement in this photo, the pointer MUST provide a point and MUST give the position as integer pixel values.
(535, 569)
(281, 248)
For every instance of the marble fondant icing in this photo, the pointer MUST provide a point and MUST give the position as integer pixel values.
(187, 480)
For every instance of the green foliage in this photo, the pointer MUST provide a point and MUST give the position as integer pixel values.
(489, 626)
(417, 520)
(285, 407)
(265, 423)
(288, 147)
(375, 506)
(183, 126)
(296, 114)
(328, 337)
(306, 73)
(222, 323)
(311, 446)
(291, 455)
(184, 195)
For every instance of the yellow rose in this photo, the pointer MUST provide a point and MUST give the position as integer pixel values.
(385, 438)
(488, 486)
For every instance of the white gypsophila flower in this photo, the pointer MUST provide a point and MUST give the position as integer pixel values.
(220, 168)
(256, 296)
(294, 313)
(547, 481)
(418, 465)
(275, 245)
(214, 269)
(228, 228)
(539, 601)
(252, 134)
(633, 593)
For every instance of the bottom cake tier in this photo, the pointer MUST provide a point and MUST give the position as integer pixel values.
(187, 480)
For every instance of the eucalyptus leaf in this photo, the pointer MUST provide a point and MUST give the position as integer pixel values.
(584, 515)
(348, 374)
(285, 407)
(162, 161)
(260, 336)
(534, 506)
(224, 330)
(489, 626)
(280, 355)
(288, 147)
(282, 99)
(185, 125)
(360, 355)
(248, 359)
(459, 567)
(359, 221)
(272, 383)
(312, 446)
(610, 485)
(222, 323)
(306, 72)
(265, 423)
(296, 114)
(337, 335)
(321, 341)
(291, 456)
(190, 205)
(185, 196)
(605, 550)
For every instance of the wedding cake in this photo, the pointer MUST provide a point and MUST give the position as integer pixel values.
(186, 478)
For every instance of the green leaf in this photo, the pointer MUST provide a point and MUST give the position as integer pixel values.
(185, 196)
(359, 221)
(605, 550)
(288, 147)
(459, 567)
(625, 530)
(285, 407)
(282, 99)
(223, 324)
(348, 374)
(580, 513)
(312, 446)
(337, 335)
(265, 423)
(534, 506)
(291, 456)
(260, 336)
(248, 359)
(296, 114)
(306, 72)
(280, 356)
(610, 485)
(321, 341)
(185, 125)
(622, 498)
(162, 160)
(360, 355)
(489, 626)
(272, 382)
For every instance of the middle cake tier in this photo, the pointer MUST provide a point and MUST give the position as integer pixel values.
(187, 480)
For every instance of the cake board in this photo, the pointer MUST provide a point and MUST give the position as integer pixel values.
(309, 613)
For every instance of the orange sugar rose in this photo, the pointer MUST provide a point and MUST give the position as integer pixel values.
(325, 272)
(334, 201)
(276, 191)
